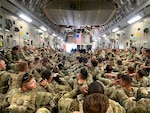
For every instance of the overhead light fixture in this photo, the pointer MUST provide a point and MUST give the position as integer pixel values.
(134, 19)
(43, 28)
(7, 30)
(25, 18)
(104, 35)
(54, 35)
(115, 29)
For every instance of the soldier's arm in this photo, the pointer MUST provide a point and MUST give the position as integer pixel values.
(89, 79)
(71, 94)
(121, 97)
(145, 82)
(9, 57)
(45, 99)
(82, 89)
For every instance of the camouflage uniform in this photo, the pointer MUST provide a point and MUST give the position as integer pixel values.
(140, 61)
(4, 81)
(147, 63)
(144, 102)
(36, 71)
(73, 100)
(29, 101)
(68, 103)
(12, 57)
(74, 105)
(95, 72)
(13, 82)
(144, 82)
(119, 68)
(26, 55)
(115, 107)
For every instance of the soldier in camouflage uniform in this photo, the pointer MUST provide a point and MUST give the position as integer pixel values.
(142, 59)
(79, 65)
(97, 88)
(134, 57)
(46, 63)
(93, 71)
(100, 64)
(73, 99)
(4, 79)
(26, 99)
(146, 65)
(13, 56)
(119, 67)
(125, 95)
(96, 103)
(139, 80)
(25, 53)
(80, 79)
(38, 69)
(22, 67)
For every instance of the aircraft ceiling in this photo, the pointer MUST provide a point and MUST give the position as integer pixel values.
(68, 15)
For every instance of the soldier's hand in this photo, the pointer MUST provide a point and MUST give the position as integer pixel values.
(116, 81)
(143, 66)
(55, 75)
(136, 62)
(43, 82)
(109, 75)
(131, 98)
(84, 89)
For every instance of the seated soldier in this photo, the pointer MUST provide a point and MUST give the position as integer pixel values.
(30, 66)
(146, 65)
(80, 80)
(115, 82)
(96, 103)
(119, 67)
(100, 64)
(26, 98)
(74, 97)
(38, 68)
(131, 71)
(46, 63)
(108, 72)
(139, 80)
(126, 95)
(13, 56)
(93, 71)
(26, 55)
(97, 88)
(13, 59)
(22, 67)
(4, 78)
(50, 85)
